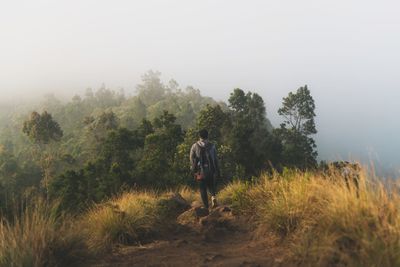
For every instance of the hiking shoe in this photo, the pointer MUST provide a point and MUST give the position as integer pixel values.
(214, 202)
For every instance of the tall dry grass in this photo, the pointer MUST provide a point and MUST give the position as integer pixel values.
(326, 221)
(188, 194)
(124, 219)
(322, 220)
(37, 238)
(132, 217)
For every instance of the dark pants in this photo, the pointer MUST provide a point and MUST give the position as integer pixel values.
(207, 183)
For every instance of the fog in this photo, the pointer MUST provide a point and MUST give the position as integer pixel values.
(347, 52)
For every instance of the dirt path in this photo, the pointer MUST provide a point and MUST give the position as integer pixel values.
(189, 247)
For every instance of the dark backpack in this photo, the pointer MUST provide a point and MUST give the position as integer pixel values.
(206, 167)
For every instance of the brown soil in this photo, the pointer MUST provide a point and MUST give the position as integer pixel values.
(233, 244)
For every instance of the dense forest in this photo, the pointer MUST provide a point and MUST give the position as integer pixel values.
(96, 145)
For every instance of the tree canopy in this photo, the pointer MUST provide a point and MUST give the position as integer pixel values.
(102, 142)
(41, 128)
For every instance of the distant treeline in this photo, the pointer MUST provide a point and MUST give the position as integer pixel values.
(98, 144)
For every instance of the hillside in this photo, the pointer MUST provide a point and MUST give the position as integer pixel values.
(94, 146)
(294, 219)
(84, 180)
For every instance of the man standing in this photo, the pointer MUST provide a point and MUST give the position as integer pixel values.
(204, 165)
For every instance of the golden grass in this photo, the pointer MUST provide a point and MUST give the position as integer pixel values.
(326, 221)
(189, 194)
(236, 195)
(322, 220)
(124, 219)
(132, 217)
(36, 238)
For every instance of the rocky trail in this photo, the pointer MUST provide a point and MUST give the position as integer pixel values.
(202, 238)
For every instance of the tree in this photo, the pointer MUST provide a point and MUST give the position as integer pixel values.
(106, 98)
(8, 177)
(102, 177)
(252, 143)
(97, 130)
(151, 90)
(42, 129)
(70, 188)
(132, 112)
(216, 121)
(158, 159)
(117, 154)
(298, 111)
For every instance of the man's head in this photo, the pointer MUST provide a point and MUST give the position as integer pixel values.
(203, 134)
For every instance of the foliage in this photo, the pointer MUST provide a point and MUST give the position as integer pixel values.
(216, 121)
(296, 130)
(250, 138)
(41, 128)
(152, 90)
(160, 147)
(104, 176)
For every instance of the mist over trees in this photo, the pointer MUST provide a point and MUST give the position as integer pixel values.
(98, 144)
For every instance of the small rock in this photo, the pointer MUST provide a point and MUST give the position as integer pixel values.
(177, 198)
(196, 204)
(192, 216)
(173, 204)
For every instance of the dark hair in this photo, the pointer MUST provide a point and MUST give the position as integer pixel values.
(203, 133)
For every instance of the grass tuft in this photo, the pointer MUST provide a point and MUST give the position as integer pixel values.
(131, 218)
(125, 219)
(37, 238)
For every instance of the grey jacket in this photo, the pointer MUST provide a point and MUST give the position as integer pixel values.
(195, 155)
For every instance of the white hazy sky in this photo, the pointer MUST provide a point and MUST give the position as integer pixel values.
(347, 51)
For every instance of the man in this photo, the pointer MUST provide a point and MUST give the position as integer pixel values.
(204, 165)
